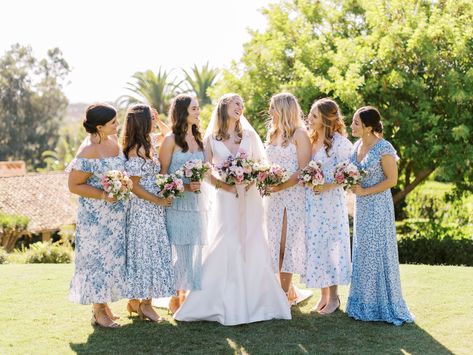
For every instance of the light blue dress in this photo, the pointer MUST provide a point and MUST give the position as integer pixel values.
(100, 248)
(375, 292)
(184, 223)
(148, 263)
(328, 260)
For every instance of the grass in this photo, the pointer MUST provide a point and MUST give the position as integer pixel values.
(36, 318)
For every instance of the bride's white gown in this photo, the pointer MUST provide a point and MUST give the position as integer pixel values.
(238, 283)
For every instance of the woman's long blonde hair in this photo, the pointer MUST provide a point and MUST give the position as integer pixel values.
(332, 120)
(287, 120)
(220, 130)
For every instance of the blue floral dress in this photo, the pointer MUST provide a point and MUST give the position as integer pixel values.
(328, 260)
(184, 223)
(375, 292)
(148, 255)
(100, 248)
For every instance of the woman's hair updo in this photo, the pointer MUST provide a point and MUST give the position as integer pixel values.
(370, 117)
(98, 115)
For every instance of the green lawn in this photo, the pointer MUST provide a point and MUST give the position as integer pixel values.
(36, 318)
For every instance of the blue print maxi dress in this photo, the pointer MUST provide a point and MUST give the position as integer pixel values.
(375, 292)
(148, 262)
(184, 223)
(99, 275)
(328, 235)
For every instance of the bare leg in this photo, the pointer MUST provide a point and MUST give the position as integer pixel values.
(323, 300)
(100, 316)
(132, 306)
(146, 310)
(333, 301)
(285, 277)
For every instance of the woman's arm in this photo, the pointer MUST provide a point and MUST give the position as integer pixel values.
(140, 192)
(77, 183)
(304, 148)
(210, 178)
(388, 163)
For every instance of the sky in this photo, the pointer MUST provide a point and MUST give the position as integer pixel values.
(105, 42)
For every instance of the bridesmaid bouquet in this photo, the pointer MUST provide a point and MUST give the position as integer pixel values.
(312, 175)
(170, 185)
(347, 174)
(194, 170)
(117, 184)
(269, 175)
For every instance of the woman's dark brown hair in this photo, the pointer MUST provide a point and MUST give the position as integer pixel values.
(136, 130)
(371, 117)
(98, 115)
(178, 113)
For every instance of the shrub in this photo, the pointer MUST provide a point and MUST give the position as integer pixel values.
(427, 242)
(48, 253)
(3, 256)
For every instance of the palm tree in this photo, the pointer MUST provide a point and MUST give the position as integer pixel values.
(200, 80)
(155, 89)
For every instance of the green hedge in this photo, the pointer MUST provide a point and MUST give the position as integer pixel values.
(426, 242)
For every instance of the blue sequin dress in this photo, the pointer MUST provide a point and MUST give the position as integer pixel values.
(375, 292)
(184, 223)
(149, 267)
(100, 248)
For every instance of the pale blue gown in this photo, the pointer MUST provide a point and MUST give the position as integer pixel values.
(184, 223)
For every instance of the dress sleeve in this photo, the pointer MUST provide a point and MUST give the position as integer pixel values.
(82, 164)
(135, 166)
(386, 148)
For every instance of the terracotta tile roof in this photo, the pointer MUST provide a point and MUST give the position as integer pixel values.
(43, 197)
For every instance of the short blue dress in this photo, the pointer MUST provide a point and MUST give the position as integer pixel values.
(375, 292)
(184, 223)
(100, 245)
(148, 254)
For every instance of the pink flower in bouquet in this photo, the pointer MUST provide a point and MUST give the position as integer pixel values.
(312, 175)
(117, 184)
(347, 174)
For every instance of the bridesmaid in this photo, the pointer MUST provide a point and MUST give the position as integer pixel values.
(149, 268)
(375, 292)
(184, 217)
(99, 274)
(328, 235)
(287, 145)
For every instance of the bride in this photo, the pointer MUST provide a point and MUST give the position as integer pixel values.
(238, 284)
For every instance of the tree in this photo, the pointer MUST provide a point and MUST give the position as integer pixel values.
(155, 89)
(32, 103)
(200, 80)
(12, 228)
(410, 58)
(70, 138)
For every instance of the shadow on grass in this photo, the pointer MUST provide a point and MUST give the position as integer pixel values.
(305, 333)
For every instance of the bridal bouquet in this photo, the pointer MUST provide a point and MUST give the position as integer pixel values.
(312, 175)
(117, 184)
(347, 174)
(194, 170)
(170, 185)
(269, 175)
(236, 169)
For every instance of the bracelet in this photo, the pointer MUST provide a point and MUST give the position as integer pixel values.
(218, 185)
